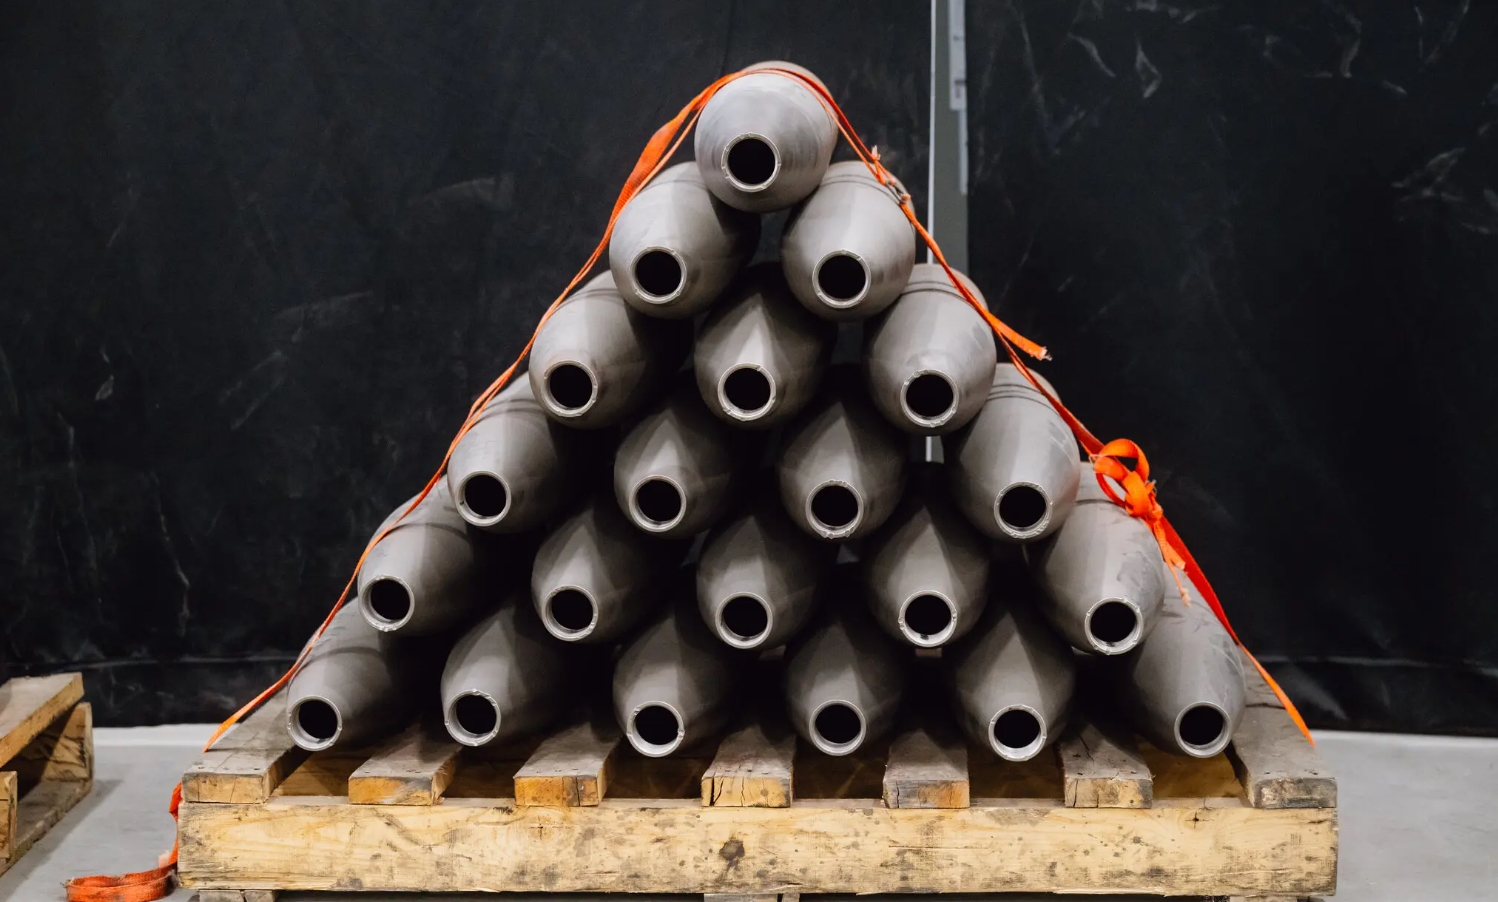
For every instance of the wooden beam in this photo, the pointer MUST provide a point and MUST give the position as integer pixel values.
(248, 762)
(753, 769)
(10, 803)
(63, 751)
(238, 895)
(1104, 770)
(1276, 765)
(571, 768)
(412, 768)
(40, 808)
(926, 769)
(684, 847)
(28, 705)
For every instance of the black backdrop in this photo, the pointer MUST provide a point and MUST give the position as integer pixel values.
(257, 258)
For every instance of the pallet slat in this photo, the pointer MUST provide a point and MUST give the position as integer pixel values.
(63, 751)
(28, 705)
(570, 769)
(412, 768)
(754, 768)
(1101, 769)
(1276, 765)
(10, 803)
(248, 762)
(926, 769)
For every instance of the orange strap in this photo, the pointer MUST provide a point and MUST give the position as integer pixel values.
(146, 886)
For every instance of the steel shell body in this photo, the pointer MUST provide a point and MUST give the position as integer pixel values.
(673, 667)
(1016, 444)
(509, 473)
(675, 247)
(760, 356)
(595, 576)
(1183, 686)
(355, 686)
(848, 249)
(509, 663)
(844, 666)
(1099, 574)
(787, 138)
(926, 572)
(676, 469)
(1012, 665)
(760, 558)
(842, 469)
(420, 579)
(597, 360)
(929, 359)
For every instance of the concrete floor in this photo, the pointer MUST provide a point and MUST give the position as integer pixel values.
(1418, 819)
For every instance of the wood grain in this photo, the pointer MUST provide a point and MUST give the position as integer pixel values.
(1278, 767)
(40, 808)
(412, 768)
(10, 803)
(569, 769)
(1103, 769)
(29, 704)
(926, 769)
(63, 751)
(307, 844)
(248, 762)
(754, 768)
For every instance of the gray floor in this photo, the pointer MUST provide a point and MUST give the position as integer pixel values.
(1417, 815)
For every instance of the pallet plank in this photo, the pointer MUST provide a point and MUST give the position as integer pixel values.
(238, 895)
(1103, 769)
(1257, 692)
(1277, 766)
(926, 769)
(412, 768)
(754, 768)
(40, 808)
(10, 802)
(63, 751)
(570, 769)
(28, 705)
(248, 762)
(686, 847)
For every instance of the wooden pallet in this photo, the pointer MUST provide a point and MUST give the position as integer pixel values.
(760, 815)
(46, 758)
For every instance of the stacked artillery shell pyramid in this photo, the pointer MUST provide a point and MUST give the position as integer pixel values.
(692, 485)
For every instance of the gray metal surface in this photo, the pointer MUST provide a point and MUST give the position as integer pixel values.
(677, 468)
(842, 469)
(844, 680)
(1183, 685)
(1019, 450)
(594, 576)
(356, 685)
(926, 571)
(848, 248)
(505, 677)
(673, 683)
(1099, 574)
(759, 355)
(764, 141)
(420, 579)
(675, 247)
(598, 360)
(929, 359)
(510, 472)
(758, 577)
(1013, 677)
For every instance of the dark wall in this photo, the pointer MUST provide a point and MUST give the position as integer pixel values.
(1262, 240)
(256, 259)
